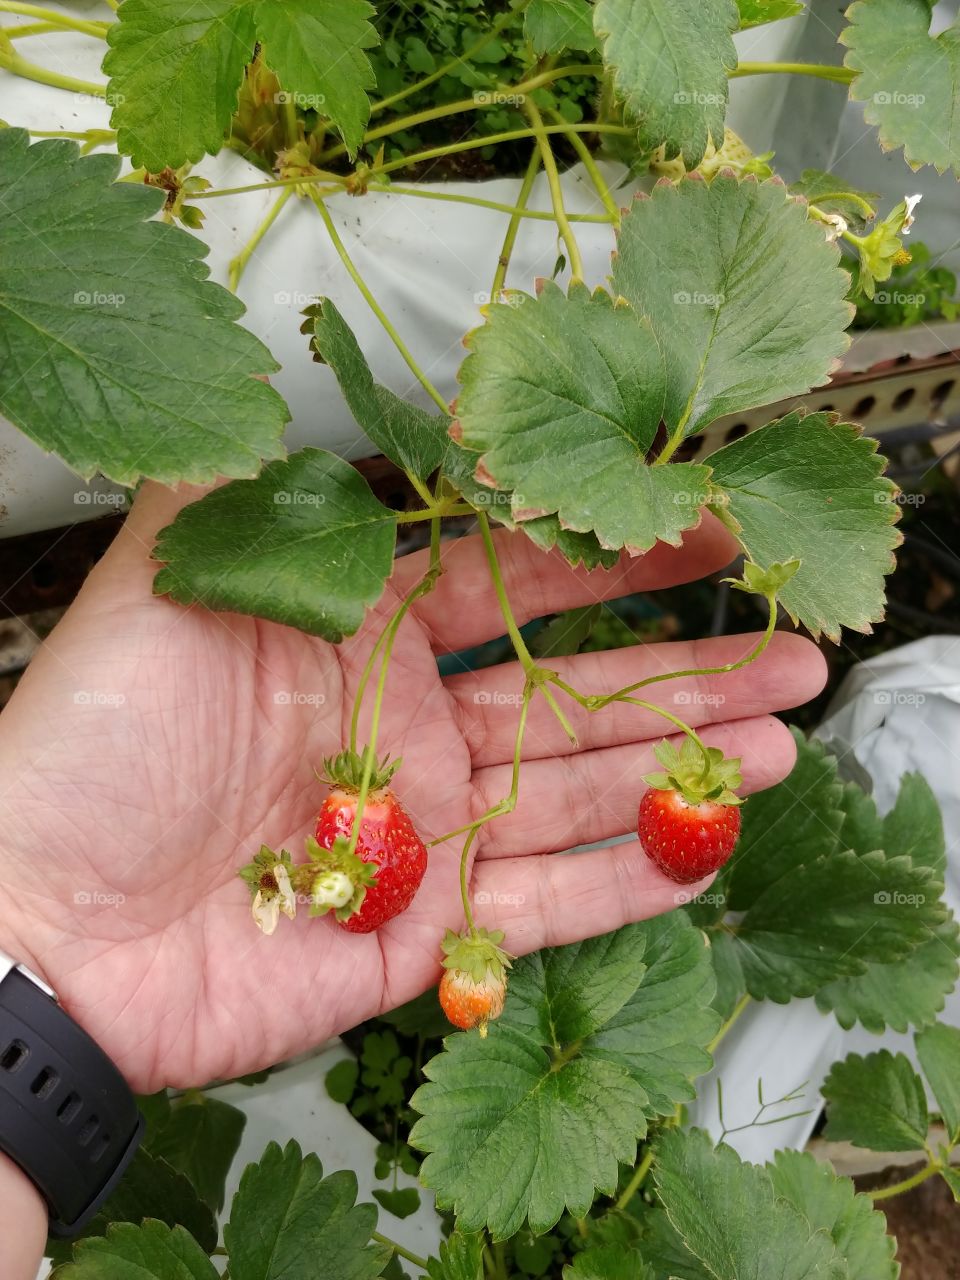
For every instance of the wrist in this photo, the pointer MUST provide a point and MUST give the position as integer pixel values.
(23, 1223)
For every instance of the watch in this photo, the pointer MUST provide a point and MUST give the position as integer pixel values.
(67, 1116)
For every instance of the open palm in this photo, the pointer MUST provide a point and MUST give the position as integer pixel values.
(151, 749)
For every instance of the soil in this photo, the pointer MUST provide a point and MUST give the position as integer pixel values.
(926, 1222)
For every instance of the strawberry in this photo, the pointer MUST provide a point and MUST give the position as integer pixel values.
(474, 982)
(689, 819)
(366, 888)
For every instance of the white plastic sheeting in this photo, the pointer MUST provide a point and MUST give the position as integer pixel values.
(897, 713)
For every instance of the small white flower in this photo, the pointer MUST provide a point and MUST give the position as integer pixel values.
(911, 202)
(268, 903)
(836, 226)
(286, 897)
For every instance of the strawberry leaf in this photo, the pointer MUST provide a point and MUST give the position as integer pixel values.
(120, 355)
(728, 1216)
(286, 1211)
(877, 1101)
(306, 544)
(909, 79)
(152, 1251)
(175, 69)
(938, 1048)
(589, 1044)
(608, 1262)
(554, 25)
(461, 1258)
(811, 489)
(755, 12)
(755, 315)
(409, 436)
(670, 60)
(832, 1204)
(201, 1139)
(562, 398)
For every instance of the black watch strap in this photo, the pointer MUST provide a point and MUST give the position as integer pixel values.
(67, 1116)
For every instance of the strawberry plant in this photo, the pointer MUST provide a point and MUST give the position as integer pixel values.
(572, 431)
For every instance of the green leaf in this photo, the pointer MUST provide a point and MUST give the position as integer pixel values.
(500, 1116)
(951, 1177)
(731, 984)
(341, 1080)
(729, 1217)
(175, 69)
(908, 993)
(461, 1258)
(938, 1048)
(576, 548)
(286, 1211)
(554, 25)
(120, 355)
(755, 315)
(755, 12)
(412, 438)
(155, 1109)
(908, 79)
(914, 826)
(150, 1188)
(306, 544)
(877, 1102)
(809, 488)
(201, 1139)
(149, 1252)
(565, 633)
(563, 397)
(833, 195)
(832, 1204)
(608, 1262)
(401, 1201)
(316, 47)
(670, 60)
(862, 827)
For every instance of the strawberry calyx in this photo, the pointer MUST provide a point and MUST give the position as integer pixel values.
(346, 770)
(336, 879)
(700, 776)
(478, 954)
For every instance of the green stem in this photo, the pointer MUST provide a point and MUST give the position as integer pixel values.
(58, 20)
(513, 631)
(513, 229)
(377, 310)
(541, 215)
(400, 1250)
(491, 34)
(30, 29)
(239, 263)
(464, 887)
(291, 126)
(672, 445)
(596, 177)
(11, 61)
(741, 1004)
(898, 1188)
(556, 191)
(637, 1181)
(448, 508)
(841, 75)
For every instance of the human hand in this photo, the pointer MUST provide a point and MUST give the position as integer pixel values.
(145, 758)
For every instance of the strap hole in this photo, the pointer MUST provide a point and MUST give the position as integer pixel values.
(45, 1083)
(89, 1131)
(14, 1056)
(68, 1108)
(100, 1148)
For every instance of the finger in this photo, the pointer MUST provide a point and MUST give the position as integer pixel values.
(463, 610)
(593, 795)
(790, 671)
(551, 900)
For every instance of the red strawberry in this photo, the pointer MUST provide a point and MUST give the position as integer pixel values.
(378, 881)
(689, 820)
(474, 982)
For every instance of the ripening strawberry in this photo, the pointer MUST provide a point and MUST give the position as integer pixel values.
(474, 983)
(689, 819)
(378, 881)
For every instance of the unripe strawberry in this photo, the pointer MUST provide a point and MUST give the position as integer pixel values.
(474, 983)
